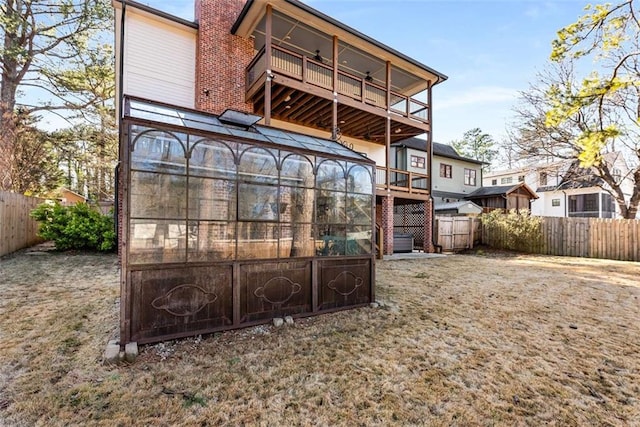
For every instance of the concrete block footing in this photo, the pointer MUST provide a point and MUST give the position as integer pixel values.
(131, 352)
(113, 355)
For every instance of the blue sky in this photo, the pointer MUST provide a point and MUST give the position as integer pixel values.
(489, 49)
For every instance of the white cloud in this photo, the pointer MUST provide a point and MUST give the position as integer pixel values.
(541, 10)
(478, 95)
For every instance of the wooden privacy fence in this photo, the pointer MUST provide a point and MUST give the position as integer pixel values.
(617, 239)
(454, 233)
(17, 229)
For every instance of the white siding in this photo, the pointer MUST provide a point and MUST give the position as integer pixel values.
(544, 205)
(159, 60)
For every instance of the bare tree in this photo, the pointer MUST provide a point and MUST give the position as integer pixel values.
(41, 42)
(537, 138)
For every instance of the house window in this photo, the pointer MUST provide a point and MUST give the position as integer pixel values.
(507, 180)
(445, 170)
(608, 207)
(555, 202)
(470, 177)
(521, 178)
(617, 174)
(494, 182)
(591, 202)
(584, 205)
(417, 162)
(543, 180)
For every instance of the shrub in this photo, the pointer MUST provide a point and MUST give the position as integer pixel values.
(75, 227)
(514, 230)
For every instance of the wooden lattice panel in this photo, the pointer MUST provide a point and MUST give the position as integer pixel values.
(410, 219)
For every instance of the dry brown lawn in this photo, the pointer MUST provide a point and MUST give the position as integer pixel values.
(495, 339)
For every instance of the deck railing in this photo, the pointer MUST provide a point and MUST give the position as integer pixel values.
(308, 70)
(404, 181)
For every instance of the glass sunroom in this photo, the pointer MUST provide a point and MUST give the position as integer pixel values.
(225, 223)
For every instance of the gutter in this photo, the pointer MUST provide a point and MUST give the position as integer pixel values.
(120, 103)
(159, 13)
(436, 247)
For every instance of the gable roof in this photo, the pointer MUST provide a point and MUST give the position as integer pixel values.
(579, 177)
(343, 27)
(575, 177)
(442, 150)
(415, 143)
(500, 190)
(155, 12)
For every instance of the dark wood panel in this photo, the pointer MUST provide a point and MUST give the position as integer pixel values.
(170, 302)
(274, 289)
(343, 283)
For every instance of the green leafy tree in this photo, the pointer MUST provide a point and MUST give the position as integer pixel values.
(48, 47)
(477, 145)
(589, 118)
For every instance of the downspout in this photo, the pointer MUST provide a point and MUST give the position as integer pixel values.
(125, 331)
(436, 247)
(565, 203)
(116, 189)
(121, 68)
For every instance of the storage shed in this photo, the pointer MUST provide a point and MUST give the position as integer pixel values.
(505, 197)
(463, 207)
(227, 224)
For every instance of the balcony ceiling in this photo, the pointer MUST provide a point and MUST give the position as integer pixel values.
(357, 54)
(305, 109)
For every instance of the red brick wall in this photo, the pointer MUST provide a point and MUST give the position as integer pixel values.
(221, 57)
(387, 224)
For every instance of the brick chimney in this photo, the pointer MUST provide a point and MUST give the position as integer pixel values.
(221, 58)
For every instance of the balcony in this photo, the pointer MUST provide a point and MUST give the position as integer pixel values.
(302, 92)
(402, 181)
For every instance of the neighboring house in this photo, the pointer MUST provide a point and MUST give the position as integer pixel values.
(518, 196)
(69, 198)
(565, 189)
(256, 162)
(454, 176)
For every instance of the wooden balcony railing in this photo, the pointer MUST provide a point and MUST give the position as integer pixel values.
(308, 70)
(404, 181)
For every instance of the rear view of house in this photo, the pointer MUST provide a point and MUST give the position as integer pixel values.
(256, 149)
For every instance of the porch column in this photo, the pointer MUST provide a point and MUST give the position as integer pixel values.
(387, 224)
(267, 58)
(334, 108)
(428, 227)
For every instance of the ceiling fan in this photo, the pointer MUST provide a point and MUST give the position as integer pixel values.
(370, 136)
